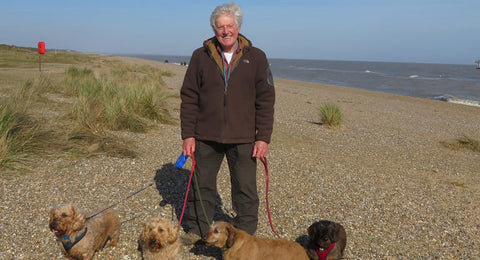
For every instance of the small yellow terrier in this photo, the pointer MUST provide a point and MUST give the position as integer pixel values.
(79, 237)
(159, 240)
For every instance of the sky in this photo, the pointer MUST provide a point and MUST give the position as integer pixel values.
(420, 31)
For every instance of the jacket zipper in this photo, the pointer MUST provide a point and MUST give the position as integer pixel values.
(226, 76)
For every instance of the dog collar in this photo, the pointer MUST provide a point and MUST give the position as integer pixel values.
(322, 254)
(224, 247)
(68, 244)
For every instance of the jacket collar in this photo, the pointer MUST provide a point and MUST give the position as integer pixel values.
(213, 48)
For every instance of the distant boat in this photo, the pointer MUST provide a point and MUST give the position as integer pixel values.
(478, 64)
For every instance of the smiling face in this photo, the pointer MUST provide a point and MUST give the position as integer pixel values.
(226, 32)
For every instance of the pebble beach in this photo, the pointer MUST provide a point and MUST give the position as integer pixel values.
(383, 174)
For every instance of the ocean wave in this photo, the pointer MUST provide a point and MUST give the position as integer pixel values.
(456, 100)
(419, 77)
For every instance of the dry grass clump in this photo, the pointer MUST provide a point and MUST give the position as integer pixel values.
(463, 143)
(120, 102)
(75, 112)
(16, 133)
(20, 132)
(330, 115)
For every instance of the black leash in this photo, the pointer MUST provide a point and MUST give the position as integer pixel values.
(115, 204)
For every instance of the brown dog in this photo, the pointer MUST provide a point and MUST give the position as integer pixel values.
(78, 237)
(327, 240)
(240, 245)
(159, 240)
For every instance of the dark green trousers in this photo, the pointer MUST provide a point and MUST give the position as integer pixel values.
(242, 166)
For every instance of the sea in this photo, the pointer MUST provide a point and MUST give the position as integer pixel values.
(446, 82)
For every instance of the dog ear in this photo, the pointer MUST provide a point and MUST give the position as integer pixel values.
(144, 236)
(173, 233)
(333, 230)
(312, 230)
(231, 235)
(52, 214)
(78, 218)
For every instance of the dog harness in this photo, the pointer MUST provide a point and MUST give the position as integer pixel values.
(322, 254)
(67, 244)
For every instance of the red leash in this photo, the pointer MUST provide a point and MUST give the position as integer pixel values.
(188, 189)
(264, 161)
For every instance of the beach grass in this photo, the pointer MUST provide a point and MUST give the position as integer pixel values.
(330, 115)
(75, 110)
(17, 133)
(22, 57)
(463, 143)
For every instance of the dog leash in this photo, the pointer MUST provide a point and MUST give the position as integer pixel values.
(186, 192)
(115, 204)
(192, 175)
(264, 161)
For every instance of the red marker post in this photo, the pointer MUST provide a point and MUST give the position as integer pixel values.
(41, 51)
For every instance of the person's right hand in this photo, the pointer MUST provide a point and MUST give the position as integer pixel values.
(189, 146)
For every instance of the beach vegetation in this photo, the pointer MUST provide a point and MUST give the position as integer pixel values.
(18, 132)
(117, 102)
(463, 143)
(459, 184)
(79, 107)
(330, 115)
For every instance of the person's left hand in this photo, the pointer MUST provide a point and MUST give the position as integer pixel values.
(260, 149)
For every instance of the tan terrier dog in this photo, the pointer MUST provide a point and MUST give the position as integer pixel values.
(79, 237)
(238, 244)
(159, 240)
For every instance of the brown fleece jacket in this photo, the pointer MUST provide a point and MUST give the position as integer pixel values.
(239, 110)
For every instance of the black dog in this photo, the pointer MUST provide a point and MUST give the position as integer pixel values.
(327, 240)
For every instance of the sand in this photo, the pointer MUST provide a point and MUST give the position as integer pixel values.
(383, 174)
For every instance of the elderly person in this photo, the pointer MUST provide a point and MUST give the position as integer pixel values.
(226, 111)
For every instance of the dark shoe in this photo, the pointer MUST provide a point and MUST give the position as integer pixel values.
(190, 238)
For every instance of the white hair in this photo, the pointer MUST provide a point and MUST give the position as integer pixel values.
(230, 9)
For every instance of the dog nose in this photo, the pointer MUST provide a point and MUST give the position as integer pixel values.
(53, 225)
(153, 240)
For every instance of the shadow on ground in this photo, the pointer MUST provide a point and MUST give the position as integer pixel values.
(172, 184)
